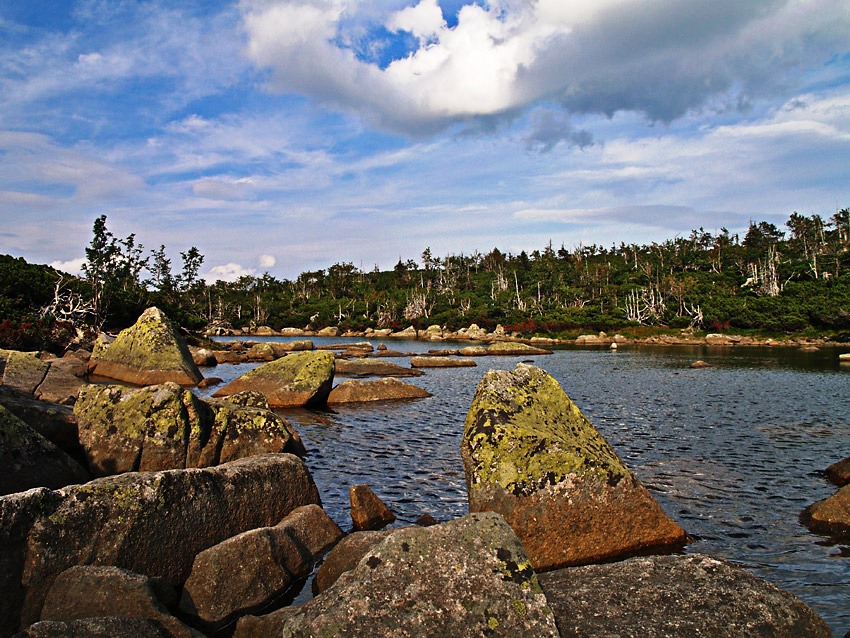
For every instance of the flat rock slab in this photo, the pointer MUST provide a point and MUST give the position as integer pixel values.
(674, 597)
(391, 389)
(296, 380)
(23, 371)
(373, 368)
(467, 577)
(441, 362)
(531, 455)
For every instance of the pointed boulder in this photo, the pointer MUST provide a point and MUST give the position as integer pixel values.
(149, 352)
(532, 456)
(298, 379)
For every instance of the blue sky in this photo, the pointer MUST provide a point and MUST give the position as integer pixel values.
(286, 136)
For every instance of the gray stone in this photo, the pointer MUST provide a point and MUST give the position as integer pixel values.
(673, 597)
(468, 577)
(106, 627)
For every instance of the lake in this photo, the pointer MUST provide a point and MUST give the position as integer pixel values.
(733, 452)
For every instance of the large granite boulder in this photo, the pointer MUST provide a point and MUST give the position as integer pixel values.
(531, 455)
(151, 523)
(29, 460)
(149, 352)
(90, 591)
(467, 577)
(249, 571)
(672, 597)
(63, 380)
(831, 516)
(390, 389)
(56, 423)
(298, 379)
(23, 371)
(166, 426)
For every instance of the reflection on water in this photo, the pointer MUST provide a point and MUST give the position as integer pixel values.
(732, 452)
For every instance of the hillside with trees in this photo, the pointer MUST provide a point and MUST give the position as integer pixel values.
(772, 281)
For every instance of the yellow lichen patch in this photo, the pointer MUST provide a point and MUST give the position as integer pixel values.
(523, 432)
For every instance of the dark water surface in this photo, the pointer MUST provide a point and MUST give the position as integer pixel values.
(733, 452)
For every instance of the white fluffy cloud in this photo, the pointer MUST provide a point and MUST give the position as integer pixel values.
(228, 272)
(661, 58)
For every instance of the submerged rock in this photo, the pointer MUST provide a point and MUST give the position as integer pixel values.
(149, 352)
(29, 460)
(831, 516)
(672, 597)
(298, 379)
(467, 577)
(357, 391)
(531, 455)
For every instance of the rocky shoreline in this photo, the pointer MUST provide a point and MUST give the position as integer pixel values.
(165, 514)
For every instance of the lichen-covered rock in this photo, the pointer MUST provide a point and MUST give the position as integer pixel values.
(441, 362)
(298, 379)
(89, 591)
(151, 523)
(373, 368)
(56, 423)
(249, 571)
(391, 389)
(831, 516)
(467, 577)
(514, 349)
(149, 352)
(531, 455)
(367, 510)
(345, 556)
(674, 596)
(167, 427)
(29, 460)
(839, 472)
(23, 371)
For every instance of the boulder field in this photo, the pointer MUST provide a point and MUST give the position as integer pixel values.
(203, 522)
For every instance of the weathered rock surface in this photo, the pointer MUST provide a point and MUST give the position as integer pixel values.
(831, 516)
(391, 389)
(839, 472)
(151, 523)
(531, 455)
(673, 597)
(203, 357)
(29, 460)
(63, 381)
(89, 591)
(514, 349)
(441, 362)
(367, 510)
(265, 626)
(22, 371)
(345, 556)
(271, 350)
(410, 585)
(56, 423)
(298, 379)
(373, 368)
(107, 627)
(149, 352)
(167, 427)
(248, 571)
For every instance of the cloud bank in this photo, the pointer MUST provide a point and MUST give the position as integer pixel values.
(660, 58)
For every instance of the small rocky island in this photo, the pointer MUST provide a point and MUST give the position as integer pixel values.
(134, 507)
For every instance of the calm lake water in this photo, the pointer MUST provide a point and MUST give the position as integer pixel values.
(733, 452)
